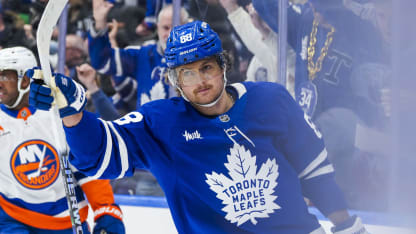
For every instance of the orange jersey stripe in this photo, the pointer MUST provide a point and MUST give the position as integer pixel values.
(38, 220)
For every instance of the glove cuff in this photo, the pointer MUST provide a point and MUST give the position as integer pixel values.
(112, 210)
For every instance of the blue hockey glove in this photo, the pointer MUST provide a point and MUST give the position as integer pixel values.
(351, 226)
(108, 219)
(69, 95)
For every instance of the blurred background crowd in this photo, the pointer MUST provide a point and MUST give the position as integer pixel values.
(338, 68)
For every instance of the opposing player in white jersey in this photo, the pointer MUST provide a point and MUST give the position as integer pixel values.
(231, 159)
(32, 194)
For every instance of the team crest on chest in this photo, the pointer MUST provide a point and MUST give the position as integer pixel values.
(246, 193)
(35, 164)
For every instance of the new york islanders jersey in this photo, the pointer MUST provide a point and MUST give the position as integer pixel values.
(31, 187)
(145, 63)
(245, 171)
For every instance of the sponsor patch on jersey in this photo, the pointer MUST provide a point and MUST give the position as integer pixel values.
(35, 164)
(189, 136)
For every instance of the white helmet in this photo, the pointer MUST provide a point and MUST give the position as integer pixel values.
(18, 59)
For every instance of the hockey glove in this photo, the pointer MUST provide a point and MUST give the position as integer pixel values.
(70, 96)
(108, 219)
(351, 226)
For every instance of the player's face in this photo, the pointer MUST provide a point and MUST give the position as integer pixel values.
(201, 81)
(164, 26)
(8, 87)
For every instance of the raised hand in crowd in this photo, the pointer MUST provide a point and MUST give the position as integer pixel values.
(112, 34)
(88, 77)
(100, 12)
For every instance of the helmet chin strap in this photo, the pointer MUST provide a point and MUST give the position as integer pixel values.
(211, 103)
(21, 93)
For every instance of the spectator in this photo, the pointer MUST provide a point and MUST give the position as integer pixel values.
(153, 8)
(12, 32)
(261, 41)
(145, 63)
(128, 18)
(103, 106)
(79, 12)
(76, 53)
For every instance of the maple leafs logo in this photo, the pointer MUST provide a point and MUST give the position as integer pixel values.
(246, 195)
(157, 92)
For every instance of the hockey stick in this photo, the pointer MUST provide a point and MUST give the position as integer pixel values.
(43, 37)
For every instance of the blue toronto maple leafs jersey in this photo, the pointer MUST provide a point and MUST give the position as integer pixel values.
(354, 41)
(245, 171)
(144, 63)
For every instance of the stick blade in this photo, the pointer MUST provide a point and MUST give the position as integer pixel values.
(44, 34)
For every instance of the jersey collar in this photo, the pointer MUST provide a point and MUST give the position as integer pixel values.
(23, 113)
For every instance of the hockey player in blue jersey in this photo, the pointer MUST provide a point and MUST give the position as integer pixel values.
(144, 63)
(230, 159)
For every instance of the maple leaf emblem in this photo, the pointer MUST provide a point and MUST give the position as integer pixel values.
(157, 92)
(248, 194)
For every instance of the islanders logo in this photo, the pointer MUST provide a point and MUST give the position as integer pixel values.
(35, 164)
(248, 194)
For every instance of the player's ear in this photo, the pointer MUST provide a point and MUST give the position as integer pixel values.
(25, 82)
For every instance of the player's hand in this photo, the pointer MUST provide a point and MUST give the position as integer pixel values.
(351, 226)
(108, 219)
(70, 96)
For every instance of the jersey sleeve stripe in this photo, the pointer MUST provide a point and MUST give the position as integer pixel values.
(123, 84)
(106, 67)
(119, 68)
(108, 151)
(241, 89)
(314, 164)
(85, 180)
(132, 93)
(123, 151)
(321, 171)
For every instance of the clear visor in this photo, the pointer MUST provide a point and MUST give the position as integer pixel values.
(8, 75)
(189, 77)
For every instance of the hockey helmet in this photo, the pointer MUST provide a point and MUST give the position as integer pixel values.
(18, 59)
(191, 42)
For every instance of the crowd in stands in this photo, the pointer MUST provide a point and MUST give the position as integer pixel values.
(338, 67)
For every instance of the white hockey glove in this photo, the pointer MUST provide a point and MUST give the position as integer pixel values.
(69, 95)
(352, 226)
